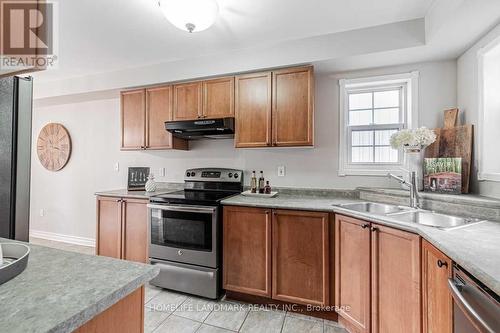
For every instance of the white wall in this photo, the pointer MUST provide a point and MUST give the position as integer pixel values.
(467, 100)
(67, 196)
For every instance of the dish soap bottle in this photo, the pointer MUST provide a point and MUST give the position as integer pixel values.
(261, 182)
(267, 188)
(253, 183)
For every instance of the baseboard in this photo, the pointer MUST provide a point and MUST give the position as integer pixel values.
(63, 238)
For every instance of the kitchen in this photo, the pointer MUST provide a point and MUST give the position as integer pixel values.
(140, 155)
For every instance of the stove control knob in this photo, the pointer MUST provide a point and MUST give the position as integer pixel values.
(188, 174)
(231, 175)
(179, 252)
(235, 175)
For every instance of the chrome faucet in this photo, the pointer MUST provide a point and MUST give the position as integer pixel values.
(412, 185)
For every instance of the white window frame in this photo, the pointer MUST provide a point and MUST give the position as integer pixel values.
(481, 174)
(409, 108)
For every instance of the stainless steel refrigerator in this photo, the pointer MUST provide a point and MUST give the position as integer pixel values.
(16, 96)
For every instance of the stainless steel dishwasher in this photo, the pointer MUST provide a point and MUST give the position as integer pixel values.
(475, 307)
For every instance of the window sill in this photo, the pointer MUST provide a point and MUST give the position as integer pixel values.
(371, 172)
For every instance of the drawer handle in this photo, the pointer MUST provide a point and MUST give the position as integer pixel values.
(441, 263)
(374, 229)
(364, 226)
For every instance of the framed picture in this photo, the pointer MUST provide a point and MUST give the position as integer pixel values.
(137, 178)
(443, 175)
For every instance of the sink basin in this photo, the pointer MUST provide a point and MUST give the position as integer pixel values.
(434, 219)
(372, 207)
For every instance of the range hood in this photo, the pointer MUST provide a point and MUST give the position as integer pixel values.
(220, 128)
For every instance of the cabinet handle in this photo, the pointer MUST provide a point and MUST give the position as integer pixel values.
(267, 212)
(118, 200)
(374, 229)
(364, 226)
(442, 263)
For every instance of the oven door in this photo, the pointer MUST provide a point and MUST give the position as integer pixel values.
(183, 233)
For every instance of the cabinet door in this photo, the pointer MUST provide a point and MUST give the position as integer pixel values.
(253, 110)
(133, 119)
(247, 250)
(395, 281)
(135, 230)
(187, 101)
(352, 272)
(109, 227)
(159, 110)
(293, 107)
(437, 301)
(218, 98)
(300, 257)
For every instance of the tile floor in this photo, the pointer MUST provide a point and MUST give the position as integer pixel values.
(167, 311)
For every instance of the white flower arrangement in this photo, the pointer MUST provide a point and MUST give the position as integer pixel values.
(413, 139)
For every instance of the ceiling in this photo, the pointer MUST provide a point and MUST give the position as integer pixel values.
(98, 36)
(116, 44)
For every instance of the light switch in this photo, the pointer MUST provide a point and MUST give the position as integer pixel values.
(162, 172)
(42, 212)
(281, 171)
(117, 166)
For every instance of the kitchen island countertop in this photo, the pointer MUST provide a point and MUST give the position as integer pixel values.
(59, 291)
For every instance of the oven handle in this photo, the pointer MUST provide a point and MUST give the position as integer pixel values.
(465, 306)
(180, 208)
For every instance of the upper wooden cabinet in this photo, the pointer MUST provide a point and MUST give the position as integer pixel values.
(377, 272)
(143, 116)
(253, 110)
(352, 271)
(218, 98)
(188, 101)
(436, 297)
(293, 107)
(300, 257)
(122, 228)
(247, 250)
(133, 119)
(275, 108)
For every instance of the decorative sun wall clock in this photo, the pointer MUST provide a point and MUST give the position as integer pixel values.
(54, 146)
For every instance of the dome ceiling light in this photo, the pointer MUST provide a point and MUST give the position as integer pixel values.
(190, 15)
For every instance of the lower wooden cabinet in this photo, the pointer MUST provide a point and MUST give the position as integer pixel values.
(377, 275)
(122, 228)
(396, 304)
(126, 316)
(247, 250)
(299, 256)
(437, 301)
(352, 271)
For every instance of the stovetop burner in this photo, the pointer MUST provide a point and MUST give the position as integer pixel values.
(205, 186)
(192, 197)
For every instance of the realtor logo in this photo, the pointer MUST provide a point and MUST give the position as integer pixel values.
(27, 32)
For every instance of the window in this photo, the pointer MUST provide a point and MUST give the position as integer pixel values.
(489, 116)
(371, 110)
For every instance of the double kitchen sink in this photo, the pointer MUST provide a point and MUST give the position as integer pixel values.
(411, 215)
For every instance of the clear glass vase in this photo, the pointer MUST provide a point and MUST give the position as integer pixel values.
(414, 161)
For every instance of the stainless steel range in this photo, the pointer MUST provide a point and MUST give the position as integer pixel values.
(185, 231)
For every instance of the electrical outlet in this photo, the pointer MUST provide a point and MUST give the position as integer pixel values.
(162, 172)
(117, 166)
(42, 212)
(281, 171)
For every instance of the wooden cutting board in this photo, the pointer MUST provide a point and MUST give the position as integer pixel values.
(454, 142)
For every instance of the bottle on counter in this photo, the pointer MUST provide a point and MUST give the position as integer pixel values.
(267, 188)
(261, 182)
(253, 183)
